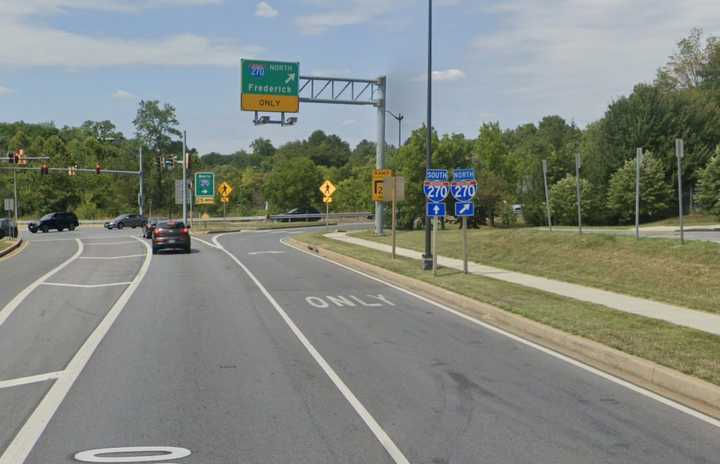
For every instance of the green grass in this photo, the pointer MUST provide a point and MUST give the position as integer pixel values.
(659, 269)
(5, 244)
(687, 350)
(695, 219)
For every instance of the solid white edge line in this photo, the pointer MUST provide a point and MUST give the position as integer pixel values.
(255, 253)
(111, 257)
(555, 354)
(59, 284)
(23, 443)
(203, 242)
(364, 414)
(20, 297)
(29, 379)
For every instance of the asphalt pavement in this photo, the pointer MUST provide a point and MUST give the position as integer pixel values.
(249, 351)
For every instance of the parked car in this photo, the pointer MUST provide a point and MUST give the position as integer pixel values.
(300, 212)
(171, 235)
(8, 228)
(59, 221)
(126, 220)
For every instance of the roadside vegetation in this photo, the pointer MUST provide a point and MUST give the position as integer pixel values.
(657, 269)
(689, 351)
(682, 101)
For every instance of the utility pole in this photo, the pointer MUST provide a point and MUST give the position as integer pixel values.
(638, 162)
(380, 152)
(680, 153)
(141, 191)
(578, 165)
(15, 197)
(184, 179)
(547, 194)
(427, 258)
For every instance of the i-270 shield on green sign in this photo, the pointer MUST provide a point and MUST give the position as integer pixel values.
(204, 187)
(270, 86)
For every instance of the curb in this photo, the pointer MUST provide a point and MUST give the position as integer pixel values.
(681, 388)
(11, 248)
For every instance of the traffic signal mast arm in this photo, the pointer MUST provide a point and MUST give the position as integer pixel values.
(90, 170)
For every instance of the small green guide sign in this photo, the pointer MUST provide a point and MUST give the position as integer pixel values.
(270, 86)
(204, 187)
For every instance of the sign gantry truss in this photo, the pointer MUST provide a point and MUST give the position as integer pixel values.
(341, 91)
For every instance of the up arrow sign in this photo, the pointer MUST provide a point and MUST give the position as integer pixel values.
(291, 78)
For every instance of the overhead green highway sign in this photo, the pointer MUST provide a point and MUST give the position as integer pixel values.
(270, 86)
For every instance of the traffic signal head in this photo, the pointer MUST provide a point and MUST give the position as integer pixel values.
(44, 169)
(169, 163)
(11, 157)
(98, 168)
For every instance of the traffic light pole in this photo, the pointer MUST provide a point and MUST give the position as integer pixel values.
(141, 192)
(184, 179)
(15, 202)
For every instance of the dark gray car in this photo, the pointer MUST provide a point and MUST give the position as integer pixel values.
(126, 220)
(8, 228)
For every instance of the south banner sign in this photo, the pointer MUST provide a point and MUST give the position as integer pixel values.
(270, 86)
(436, 186)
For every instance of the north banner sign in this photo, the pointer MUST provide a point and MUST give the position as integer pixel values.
(270, 86)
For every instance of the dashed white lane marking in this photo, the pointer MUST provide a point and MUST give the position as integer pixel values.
(20, 297)
(60, 284)
(110, 243)
(20, 447)
(204, 242)
(112, 257)
(30, 379)
(255, 253)
(364, 414)
(555, 354)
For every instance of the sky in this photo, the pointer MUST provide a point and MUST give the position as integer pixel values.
(512, 61)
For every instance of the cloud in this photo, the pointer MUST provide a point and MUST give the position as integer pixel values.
(575, 56)
(349, 122)
(5, 91)
(264, 10)
(123, 95)
(43, 45)
(447, 75)
(352, 12)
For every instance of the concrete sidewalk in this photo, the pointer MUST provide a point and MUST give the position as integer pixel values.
(699, 320)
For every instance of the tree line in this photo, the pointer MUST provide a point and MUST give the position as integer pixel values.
(683, 101)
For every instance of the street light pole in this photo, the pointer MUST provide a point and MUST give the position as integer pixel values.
(141, 192)
(184, 179)
(399, 118)
(427, 257)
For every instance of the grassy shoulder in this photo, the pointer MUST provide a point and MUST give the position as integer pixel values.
(695, 219)
(689, 351)
(657, 269)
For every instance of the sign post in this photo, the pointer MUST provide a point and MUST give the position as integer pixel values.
(396, 187)
(464, 189)
(327, 189)
(547, 194)
(638, 163)
(578, 165)
(270, 86)
(680, 153)
(436, 188)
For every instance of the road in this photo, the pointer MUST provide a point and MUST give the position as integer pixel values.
(249, 351)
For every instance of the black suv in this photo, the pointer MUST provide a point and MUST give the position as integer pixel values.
(8, 228)
(57, 221)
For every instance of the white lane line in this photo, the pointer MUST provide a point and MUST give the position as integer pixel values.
(255, 253)
(369, 420)
(60, 284)
(204, 242)
(20, 297)
(112, 257)
(20, 447)
(555, 354)
(30, 379)
(52, 240)
(110, 243)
